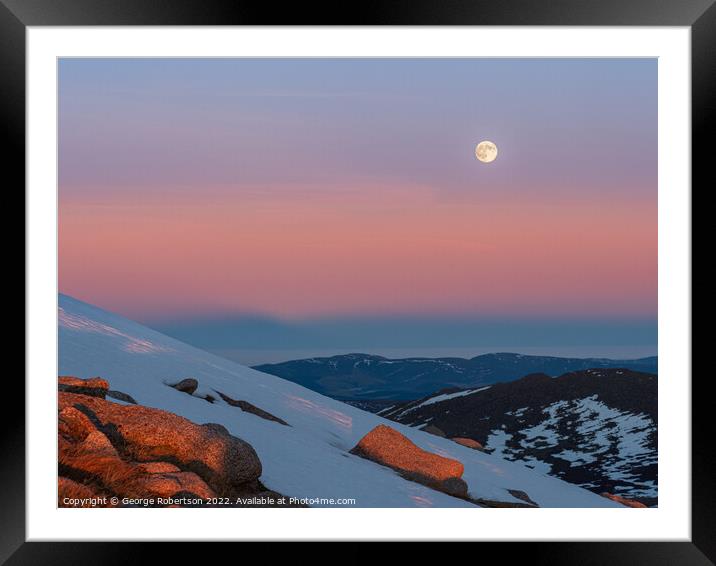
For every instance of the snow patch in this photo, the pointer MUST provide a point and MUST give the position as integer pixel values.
(446, 396)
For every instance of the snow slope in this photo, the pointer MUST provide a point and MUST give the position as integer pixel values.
(618, 442)
(308, 459)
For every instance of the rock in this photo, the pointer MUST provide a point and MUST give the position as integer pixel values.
(98, 444)
(187, 385)
(121, 396)
(143, 434)
(84, 453)
(171, 484)
(108, 449)
(522, 496)
(158, 468)
(469, 442)
(87, 455)
(74, 425)
(623, 500)
(95, 386)
(432, 429)
(386, 446)
(253, 409)
(94, 461)
(453, 486)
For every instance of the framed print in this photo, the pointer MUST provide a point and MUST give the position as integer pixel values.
(427, 278)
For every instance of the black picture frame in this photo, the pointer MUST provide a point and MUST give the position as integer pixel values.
(699, 15)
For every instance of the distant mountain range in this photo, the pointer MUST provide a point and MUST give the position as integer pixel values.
(366, 377)
(594, 428)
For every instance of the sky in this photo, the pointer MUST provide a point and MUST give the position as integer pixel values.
(323, 205)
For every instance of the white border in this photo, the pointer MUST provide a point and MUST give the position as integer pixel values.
(671, 521)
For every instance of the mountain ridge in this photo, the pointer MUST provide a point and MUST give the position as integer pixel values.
(597, 428)
(361, 377)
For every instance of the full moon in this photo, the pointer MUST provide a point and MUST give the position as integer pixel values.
(486, 151)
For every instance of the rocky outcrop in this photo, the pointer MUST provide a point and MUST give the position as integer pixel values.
(623, 500)
(469, 442)
(121, 396)
(130, 451)
(99, 471)
(187, 385)
(386, 446)
(522, 496)
(86, 456)
(95, 386)
(253, 409)
(144, 434)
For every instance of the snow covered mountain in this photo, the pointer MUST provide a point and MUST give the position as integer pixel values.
(595, 428)
(363, 376)
(310, 458)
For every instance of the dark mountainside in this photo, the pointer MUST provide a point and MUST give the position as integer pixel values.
(595, 428)
(362, 377)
